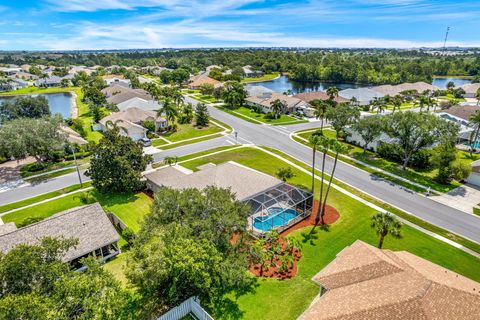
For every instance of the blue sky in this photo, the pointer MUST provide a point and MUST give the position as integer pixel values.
(124, 24)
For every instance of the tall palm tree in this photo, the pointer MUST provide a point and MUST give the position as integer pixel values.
(178, 97)
(354, 102)
(477, 96)
(169, 109)
(337, 147)
(324, 145)
(332, 93)
(422, 101)
(277, 107)
(320, 112)
(385, 224)
(475, 121)
(396, 102)
(315, 142)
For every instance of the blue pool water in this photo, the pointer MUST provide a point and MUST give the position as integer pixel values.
(475, 145)
(276, 217)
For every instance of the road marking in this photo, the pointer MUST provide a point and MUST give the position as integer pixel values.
(247, 141)
(231, 142)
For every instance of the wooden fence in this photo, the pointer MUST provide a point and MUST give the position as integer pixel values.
(116, 221)
(189, 306)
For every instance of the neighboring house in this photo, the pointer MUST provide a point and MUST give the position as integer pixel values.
(12, 84)
(393, 90)
(143, 79)
(364, 96)
(262, 192)
(253, 91)
(355, 138)
(26, 76)
(470, 89)
(25, 67)
(73, 136)
(132, 120)
(198, 81)
(146, 105)
(250, 73)
(317, 95)
(474, 177)
(89, 224)
(111, 79)
(364, 282)
(461, 116)
(117, 94)
(52, 81)
(155, 69)
(10, 71)
(264, 101)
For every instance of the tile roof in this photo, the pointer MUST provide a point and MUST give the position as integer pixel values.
(364, 282)
(243, 181)
(89, 224)
(471, 87)
(267, 98)
(317, 95)
(361, 94)
(134, 115)
(464, 112)
(419, 86)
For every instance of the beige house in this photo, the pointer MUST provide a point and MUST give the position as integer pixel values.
(265, 100)
(470, 89)
(393, 90)
(131, 120)
(117, 94)
(364, 282)
(199, 81)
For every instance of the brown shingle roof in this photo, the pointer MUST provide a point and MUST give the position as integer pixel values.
(317, 95)
(117, 94)
(134, 115)
(364, 282)
(267, 98)
(471, 87)
(420, 86)
(464, 112)
(204, 79)
(89, 224)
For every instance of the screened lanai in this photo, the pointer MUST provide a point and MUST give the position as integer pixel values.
(278, 208)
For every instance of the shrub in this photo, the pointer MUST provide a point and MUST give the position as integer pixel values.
(128, 235)
(149, 125)
(393, 152)
(460, 170)
(270, 116)
(27, 221)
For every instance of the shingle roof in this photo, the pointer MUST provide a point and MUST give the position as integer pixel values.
(464, 112)
(134, 115)
(471, 87)
(361, 94)
(243, 181)
(117, 94)
(396, 89)
(267, 98)
(147, 105)
(317, 95)
(89, 224)
(204, 79)
(364, 282)
(257, 90)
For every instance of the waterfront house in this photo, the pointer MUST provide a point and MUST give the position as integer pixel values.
(364, 96)
(470, 90)
(291, 104)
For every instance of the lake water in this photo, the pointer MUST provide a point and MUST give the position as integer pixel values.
(283, 84)
(58, 102)
(442, 82)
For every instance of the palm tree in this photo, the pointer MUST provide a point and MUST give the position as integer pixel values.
(422, 101)
(315, 142)
(477, 96)
(321, 108)
(178, 97)
(277, 107)
(337, 147)
(475, 121)
(169, 109)
(332, 93)
(324, 144)
(170, 160)
(354, 102)
(385, 224)
(396, 102)
(110, 125)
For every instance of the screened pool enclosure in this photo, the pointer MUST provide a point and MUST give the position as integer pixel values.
(279, 208)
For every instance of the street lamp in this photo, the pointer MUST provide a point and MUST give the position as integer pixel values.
(76, 165)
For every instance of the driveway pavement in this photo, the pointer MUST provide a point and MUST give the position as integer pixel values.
(463, 198)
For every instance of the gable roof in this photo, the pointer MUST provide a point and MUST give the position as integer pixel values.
(471, 87)
(136, 102)
(133, 115)
(361, 94)
(317, 95)
(267, 98)
(464, 112)
(243, 181)
(364, 282)
(419, 86)
(89, 224)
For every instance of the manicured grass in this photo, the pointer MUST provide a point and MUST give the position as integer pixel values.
(50, 175)
(49, 167)
(265, 77)
(189, 131)
(26, 202)
(184, 143)
(115, 266)
(423, 177)
(129, 207)
(296, 294)
(249, 114)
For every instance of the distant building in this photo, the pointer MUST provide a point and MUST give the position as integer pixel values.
(364, 282)
(393, 90)
(470, 89)
(364, 96)
(89, 224)
(317, 95)
(292, 104)
(250, 73)
(115, 78)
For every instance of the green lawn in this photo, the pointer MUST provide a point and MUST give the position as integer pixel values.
(130, 208)
(248, 114)
(115, 266)
(296, 294)
(265, 77)
(423, 177)
(187, 131)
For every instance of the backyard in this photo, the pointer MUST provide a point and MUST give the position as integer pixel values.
(255, 117)
(265, 77)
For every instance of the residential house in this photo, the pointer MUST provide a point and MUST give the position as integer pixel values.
(355, 138)
(117, 94)
(250, 73)
(26, 76)
(10, 71)
(116, 79)
(136, 102)
(262, 192)
(12, 84)
(364, 282)
(364, 96)
(89, 224)
(292, 105)
(393, 90)
(131, 120)
(198, 81)
(470, 90)
(253, 91)
(317, 95)
(461, 116)
(52, 81)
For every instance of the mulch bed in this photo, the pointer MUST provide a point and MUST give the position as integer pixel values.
(149, 193)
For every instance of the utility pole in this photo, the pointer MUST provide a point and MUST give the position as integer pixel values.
(445, 41)
(76, 165)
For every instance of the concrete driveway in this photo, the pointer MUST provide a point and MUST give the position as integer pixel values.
(462, 198)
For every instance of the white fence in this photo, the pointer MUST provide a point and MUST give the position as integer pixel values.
(191, 305)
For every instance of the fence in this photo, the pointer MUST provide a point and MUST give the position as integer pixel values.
(191, 305)
(116, 221)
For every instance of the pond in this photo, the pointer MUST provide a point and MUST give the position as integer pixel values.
(61, 102)
(442, 82)
(283, 84)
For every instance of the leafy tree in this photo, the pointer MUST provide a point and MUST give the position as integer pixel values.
(93, 95)
(38, 138)
(184, 247)
(369, 128)
(385, 224)
(207, 88)
(277, 106)
(285, 174)
(341, 116)
(202, 117)
(24, 107)
(442, 158)
(477, 96)
(117, 163)
(234, 94)
(97, 112)
(64, 82)
(450, 85)
(460, 170)
(149, 125)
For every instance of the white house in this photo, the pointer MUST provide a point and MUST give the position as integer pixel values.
(474, 177)
(136, 102)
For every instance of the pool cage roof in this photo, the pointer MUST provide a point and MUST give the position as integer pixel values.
(282, 196)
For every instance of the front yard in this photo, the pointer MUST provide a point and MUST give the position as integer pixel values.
(255, 117)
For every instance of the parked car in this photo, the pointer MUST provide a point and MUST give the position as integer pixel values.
(145, 142)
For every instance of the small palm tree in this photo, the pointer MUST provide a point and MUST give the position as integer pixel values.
(385, 224)
(475, 121)
(111, 125)
(285, 174)
(332, 93)
(321, 108)
(277, 107)
(170, 160)
(477, 96)
(396, 102)
(169, 109)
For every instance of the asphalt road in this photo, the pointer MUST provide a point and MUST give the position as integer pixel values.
(277, 137)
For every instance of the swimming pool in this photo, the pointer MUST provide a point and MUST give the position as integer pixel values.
(475, 145)
(276, 217)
